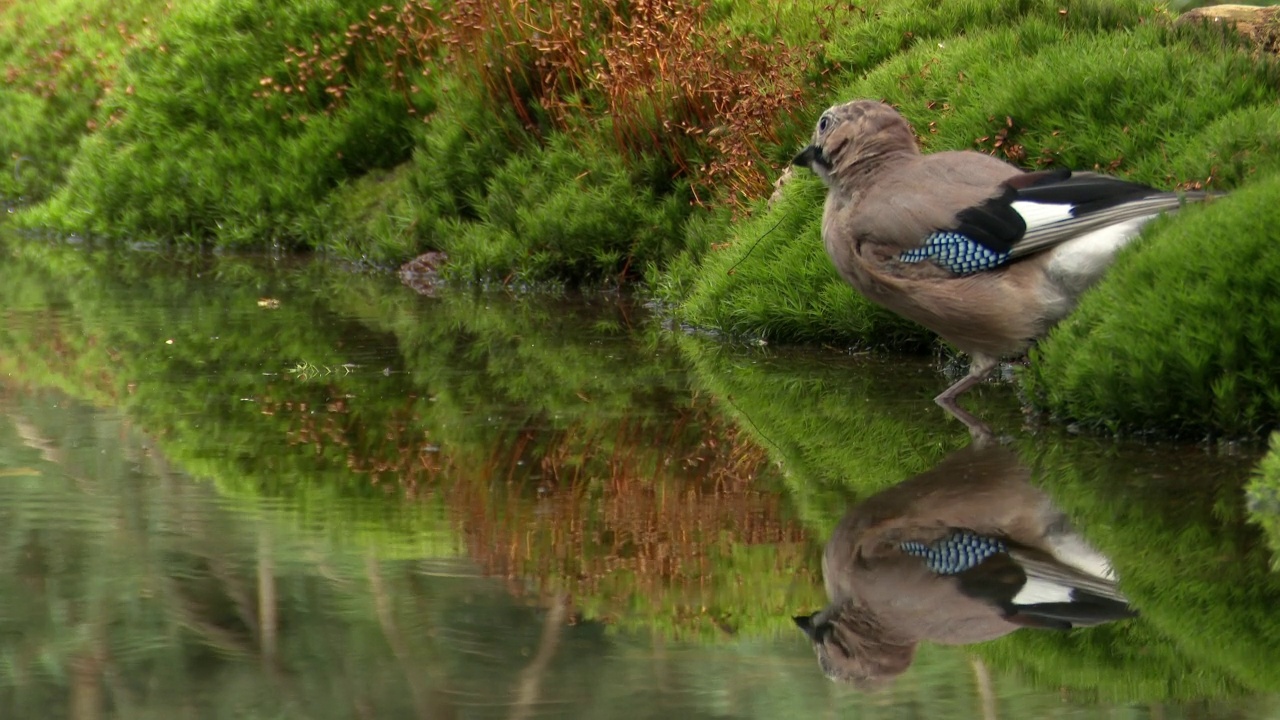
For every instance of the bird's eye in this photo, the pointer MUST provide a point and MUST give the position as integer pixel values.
(824, 122)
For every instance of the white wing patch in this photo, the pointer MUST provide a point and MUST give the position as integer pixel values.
(1072, 550)
(1038, 214)
(1037, 591)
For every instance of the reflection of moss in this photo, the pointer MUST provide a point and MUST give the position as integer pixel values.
(840, 431)
(474, 423)
(840, 427)
(1185, 559)
(1264, 498)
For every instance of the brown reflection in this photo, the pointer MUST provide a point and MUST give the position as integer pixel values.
(634, 506)
(966, 552)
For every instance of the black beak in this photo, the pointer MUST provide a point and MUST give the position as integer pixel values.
(804, 622)
(808, 157)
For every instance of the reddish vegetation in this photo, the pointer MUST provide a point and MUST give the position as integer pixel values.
(667, 79)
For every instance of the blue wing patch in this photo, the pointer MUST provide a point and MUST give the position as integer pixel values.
(956, 253)
(960, 551)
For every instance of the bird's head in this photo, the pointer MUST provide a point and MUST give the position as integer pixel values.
(853, 139)
(852, 648)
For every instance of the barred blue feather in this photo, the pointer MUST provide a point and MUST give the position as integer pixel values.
(956, 252)
(959, 551)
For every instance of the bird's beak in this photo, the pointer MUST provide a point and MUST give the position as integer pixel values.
(807, 157)
(805, 623)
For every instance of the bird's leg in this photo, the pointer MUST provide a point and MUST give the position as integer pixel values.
(979, 367)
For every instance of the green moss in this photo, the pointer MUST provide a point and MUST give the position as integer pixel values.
(197, 151)
(571, 212)
(369, 218)
(60, 60)
(249, 124)
(1182, 336)
(568, 183)
(774, 282)
(1264, 498)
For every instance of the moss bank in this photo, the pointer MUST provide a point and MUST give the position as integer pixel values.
(1105, 86)
(1183, 335)
(559, 141)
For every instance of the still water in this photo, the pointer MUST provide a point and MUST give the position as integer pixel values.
(245, 489)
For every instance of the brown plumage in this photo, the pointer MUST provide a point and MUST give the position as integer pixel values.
(884, 600)
(987, 256)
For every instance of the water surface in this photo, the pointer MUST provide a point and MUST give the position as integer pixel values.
(255, 489)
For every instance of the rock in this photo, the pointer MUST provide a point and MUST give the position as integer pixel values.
(423, 272)
(1260, 25)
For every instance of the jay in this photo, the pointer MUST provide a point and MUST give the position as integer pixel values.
(986, 255)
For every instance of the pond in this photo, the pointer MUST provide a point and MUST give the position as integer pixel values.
(279, 489)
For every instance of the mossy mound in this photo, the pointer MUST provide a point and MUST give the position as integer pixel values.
(61, 60)
(776, 283)
(195, 144)
(560, 142)
(352, 127)
(1183, 334)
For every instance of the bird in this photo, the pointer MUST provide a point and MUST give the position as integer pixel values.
(981, 252)
(965, 552)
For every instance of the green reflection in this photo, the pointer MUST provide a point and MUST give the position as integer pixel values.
(840, 426)
(131, 592)
(1173, 521)
(414, 484)
(546, 440)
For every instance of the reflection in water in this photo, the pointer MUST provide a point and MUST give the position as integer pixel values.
(965, 552)
(355, 502)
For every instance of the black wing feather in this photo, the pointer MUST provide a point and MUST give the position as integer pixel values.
(1079, 613)
(995, 224)
(1086, 192)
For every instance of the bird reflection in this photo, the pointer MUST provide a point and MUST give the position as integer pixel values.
(966, 552)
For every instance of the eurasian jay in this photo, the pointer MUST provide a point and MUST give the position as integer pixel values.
(975, 249)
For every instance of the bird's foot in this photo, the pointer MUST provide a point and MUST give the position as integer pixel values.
(979, 430)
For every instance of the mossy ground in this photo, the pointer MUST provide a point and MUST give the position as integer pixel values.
(1184, 333)
(585, 154)
(530, 142)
